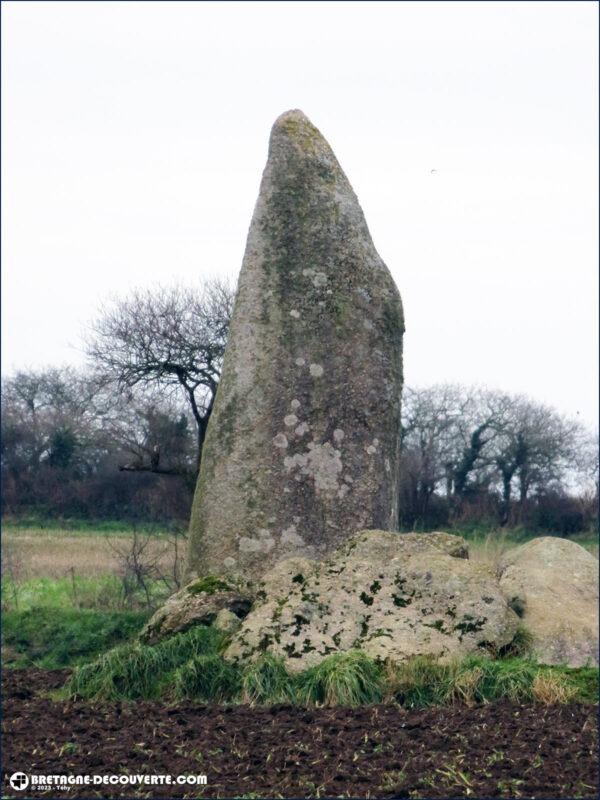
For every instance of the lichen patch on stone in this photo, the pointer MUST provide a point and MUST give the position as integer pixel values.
(303, 428)
(263, 544)
(280, 441)
(290, 537)
(321, 462)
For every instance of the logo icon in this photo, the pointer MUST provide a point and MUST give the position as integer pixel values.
(19, 781)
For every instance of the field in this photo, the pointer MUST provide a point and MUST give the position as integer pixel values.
(494, 750)
(70, 594)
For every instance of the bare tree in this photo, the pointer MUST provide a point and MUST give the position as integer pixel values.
(468, 443)
(48, 417)
(538, 447)
(173, 338)
(63, 434)
(429, 425)
(143, 565)
(448, 431)
(149, 431)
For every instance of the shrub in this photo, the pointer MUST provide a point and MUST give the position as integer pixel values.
(559, 513)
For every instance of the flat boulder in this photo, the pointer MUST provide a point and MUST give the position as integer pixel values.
(204, 601)
(552, 583)
(391, 595)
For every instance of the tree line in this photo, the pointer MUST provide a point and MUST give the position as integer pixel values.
(475, 454)
(122, 437)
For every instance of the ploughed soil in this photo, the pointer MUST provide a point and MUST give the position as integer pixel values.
(497, 750)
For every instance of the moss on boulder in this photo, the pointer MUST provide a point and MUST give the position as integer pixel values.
(200, 602)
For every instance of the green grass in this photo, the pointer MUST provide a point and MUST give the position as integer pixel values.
(496, 680)
(585, 680)
(208, 678)
(55, 637)
(266, 681)
(65, 622)
(347, 679)
(102, 593)
(190, 665)
(135, 671)
(32, 522)
(419, 682)
(423, 682)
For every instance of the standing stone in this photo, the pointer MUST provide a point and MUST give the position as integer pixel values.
(302, 447)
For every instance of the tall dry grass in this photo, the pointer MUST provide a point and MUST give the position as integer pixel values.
(489, 550)
(56, 554)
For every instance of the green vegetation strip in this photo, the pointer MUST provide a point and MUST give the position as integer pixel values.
(69, 525)
(55, 637)
(190, 666)
(136, 672)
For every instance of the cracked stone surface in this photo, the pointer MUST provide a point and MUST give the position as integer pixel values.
(306, 420)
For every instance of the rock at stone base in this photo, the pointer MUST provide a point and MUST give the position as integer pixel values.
(201, 602)
(227, 621)
(391, 595)
(553, 584)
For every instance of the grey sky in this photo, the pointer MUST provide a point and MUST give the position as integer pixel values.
(135, 134)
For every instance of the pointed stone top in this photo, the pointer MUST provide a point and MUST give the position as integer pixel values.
(294, 127)
(292, 121)
(293, 114)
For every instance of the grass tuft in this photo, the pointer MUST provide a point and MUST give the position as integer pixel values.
(420, 681)
(266, 681)
(136, 671)
(509, 679)
(550, 688)
(520, 646)
(348, 679)
(208, 678)
(190, 665)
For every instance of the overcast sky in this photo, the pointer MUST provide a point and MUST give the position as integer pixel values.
(135, 134)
